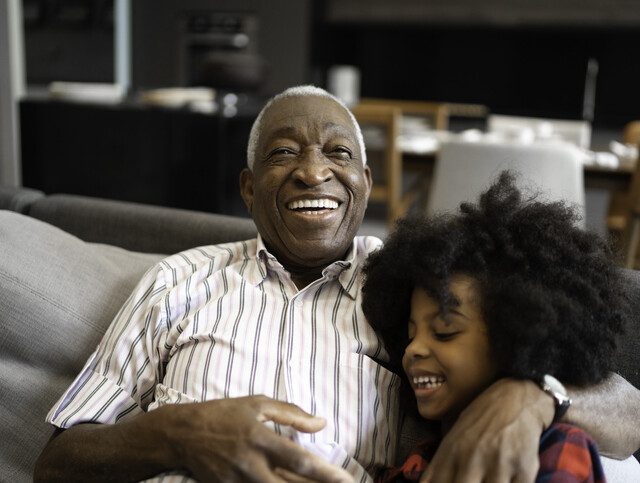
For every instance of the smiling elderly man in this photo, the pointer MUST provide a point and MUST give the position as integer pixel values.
(259, 335)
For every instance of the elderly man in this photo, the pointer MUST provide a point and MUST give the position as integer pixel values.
(261, 335)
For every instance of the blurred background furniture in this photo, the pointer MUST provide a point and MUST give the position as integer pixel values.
(463, 170)
(390, 117)
(628, 221)
(634, 237)
(435, 113)
(401, 146)
(386, 189)
(136, 152)
(576, 132)
(623, 207)
(631, 133)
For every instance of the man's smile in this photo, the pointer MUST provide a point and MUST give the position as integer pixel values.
(313, 204)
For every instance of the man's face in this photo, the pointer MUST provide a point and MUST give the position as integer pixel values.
(308, 190)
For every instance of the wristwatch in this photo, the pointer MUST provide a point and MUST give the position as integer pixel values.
(557, 391)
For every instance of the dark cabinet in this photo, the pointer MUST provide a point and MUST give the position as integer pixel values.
(165, 157)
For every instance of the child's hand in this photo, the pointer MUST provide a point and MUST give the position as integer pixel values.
(496, 438)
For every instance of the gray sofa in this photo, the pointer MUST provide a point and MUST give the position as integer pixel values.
(67, 263)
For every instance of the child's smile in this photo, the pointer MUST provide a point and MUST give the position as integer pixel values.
(427, 381)
(448, 360)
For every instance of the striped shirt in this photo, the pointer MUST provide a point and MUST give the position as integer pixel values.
(227, 321)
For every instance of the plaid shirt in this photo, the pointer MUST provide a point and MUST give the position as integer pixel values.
(567, 455)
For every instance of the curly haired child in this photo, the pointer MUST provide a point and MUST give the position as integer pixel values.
(508, 287)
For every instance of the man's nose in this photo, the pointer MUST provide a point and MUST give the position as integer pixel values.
(313, 168)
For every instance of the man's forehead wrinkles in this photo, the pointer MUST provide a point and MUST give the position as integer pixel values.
(293, 130)
(284, 131)
(341, 129)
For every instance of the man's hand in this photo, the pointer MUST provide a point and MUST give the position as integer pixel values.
(226, 440)
(222, 440)
(496, 437)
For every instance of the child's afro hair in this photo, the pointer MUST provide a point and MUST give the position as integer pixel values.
(551, 296)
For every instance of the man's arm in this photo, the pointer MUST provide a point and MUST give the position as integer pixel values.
(496, 437)
(609, 413)
(217, 440)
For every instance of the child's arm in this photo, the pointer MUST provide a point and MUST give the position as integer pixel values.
(609, 413)
(568, 454)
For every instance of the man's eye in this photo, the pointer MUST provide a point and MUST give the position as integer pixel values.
(281, 152)
(342, 152)
(444, 336)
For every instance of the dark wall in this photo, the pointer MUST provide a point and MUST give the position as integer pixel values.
(72, 40)
(522, 70)
(281, 38)
(68, 40)
(515, 60)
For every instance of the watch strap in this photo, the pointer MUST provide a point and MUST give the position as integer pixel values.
(557, 391)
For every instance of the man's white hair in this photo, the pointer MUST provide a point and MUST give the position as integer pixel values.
(304, 90)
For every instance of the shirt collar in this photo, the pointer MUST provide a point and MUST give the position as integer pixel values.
(344, 270)
(257, 271)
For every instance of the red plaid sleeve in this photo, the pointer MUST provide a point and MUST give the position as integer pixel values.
(568, 455)
(412, 468)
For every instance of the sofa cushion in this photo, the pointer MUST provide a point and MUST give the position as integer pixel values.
(57, 296)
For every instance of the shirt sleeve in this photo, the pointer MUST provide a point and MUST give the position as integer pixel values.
(413, 467)
(568, 455)
(119, 378)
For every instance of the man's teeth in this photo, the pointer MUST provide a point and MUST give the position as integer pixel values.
(313, 204)
(427, 382)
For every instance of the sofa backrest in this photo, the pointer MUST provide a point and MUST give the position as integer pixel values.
(18, 199)
(134, 226)
(139, 227)
(628, 360)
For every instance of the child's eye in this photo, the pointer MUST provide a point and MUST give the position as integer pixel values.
(444, 336)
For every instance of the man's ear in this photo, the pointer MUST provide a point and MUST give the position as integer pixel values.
(368, 179)
(246, 188)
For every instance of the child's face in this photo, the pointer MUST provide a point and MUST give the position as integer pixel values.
(448, 360)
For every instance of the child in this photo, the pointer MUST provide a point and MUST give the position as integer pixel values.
(506, 288)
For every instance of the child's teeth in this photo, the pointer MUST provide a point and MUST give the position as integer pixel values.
(428, 381)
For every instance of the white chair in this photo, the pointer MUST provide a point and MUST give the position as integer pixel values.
(575, 132)
(463, 170)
